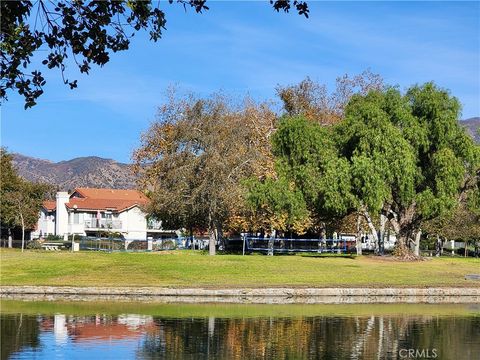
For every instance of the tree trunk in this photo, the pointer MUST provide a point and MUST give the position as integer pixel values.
(23, 231)
(211, 240)
(401, 247)
(359, 236)
(372, 229)
(438, 247)
(418, 235)
(381, 234)
(321, 239)
(219, 235)
(10, 241)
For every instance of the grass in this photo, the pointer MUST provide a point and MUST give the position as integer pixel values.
(194, 269)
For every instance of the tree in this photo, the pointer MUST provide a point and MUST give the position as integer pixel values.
(410, 158)
(86, 31)
(402, 157)
(462, 224)
(9, 183)
(313, 101)
(193, 159)
(297, 145)
(312, 183)
(21, 200)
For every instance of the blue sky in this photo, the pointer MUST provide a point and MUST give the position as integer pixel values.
(242, 47)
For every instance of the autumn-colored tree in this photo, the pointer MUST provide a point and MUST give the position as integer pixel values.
(193, 159)
(313, 101)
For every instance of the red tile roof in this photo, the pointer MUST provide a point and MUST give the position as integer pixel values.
(113, 194)
(106, 199)
(49, 205)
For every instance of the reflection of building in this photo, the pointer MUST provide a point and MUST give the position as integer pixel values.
(100, 328)
(89, 211)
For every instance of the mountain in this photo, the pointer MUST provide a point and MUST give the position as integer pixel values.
(88, 171)
(473, 127)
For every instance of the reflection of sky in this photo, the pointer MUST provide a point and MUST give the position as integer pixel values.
(70, 350)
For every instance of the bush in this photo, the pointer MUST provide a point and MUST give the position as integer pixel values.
(53, 238)
(34, 245)
(137, 245)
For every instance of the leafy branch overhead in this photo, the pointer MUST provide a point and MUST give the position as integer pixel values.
(85, 31)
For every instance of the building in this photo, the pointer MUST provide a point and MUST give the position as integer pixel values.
(94, 212)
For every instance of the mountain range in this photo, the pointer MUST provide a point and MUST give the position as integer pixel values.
(473, 127)
(93, 171)
(90, 171)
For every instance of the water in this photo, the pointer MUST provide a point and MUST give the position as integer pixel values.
(67, 330)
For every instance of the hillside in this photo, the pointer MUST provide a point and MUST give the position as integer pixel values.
(473, 126)
(88, 171)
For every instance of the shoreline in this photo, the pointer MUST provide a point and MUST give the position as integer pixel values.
(246, 295)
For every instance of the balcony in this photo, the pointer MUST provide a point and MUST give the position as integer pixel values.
(153, 224)
(103, 224)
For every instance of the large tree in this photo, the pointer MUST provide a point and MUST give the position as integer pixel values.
(403, 158)
(411, 160)
(85, 31)
(193, 159)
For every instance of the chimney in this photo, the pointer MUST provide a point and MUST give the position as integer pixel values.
(61, 221)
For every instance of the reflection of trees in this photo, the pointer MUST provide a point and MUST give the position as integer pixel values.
(18, 331)
(326, 337)
(313, 337)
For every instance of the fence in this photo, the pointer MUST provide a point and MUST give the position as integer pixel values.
(279, 245)
(119, 244)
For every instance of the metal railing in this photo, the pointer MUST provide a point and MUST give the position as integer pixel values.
(280, 245)
(112, 244)
(103, 224)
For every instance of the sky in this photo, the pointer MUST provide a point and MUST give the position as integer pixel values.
(246, 47)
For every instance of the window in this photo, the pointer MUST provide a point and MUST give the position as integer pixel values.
(76, 218)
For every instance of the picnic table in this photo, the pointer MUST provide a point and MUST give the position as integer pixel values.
(52, 246)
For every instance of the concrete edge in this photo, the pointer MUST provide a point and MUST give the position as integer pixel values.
(246, 292)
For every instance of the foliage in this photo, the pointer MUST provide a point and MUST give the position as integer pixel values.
(86, 31)
(34, 245)
(402, 156)
(51, 237)
(8, 183)
(463, 224)
(20, 200)
(193, 159)
(312, 100)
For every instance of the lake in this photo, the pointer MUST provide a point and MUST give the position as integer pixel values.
(128, 330)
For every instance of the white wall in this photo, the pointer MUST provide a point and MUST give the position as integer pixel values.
(78, 228)
(134, 224)
(61, 224)
(45, 224)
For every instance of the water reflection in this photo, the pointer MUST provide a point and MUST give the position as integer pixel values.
(126, 336)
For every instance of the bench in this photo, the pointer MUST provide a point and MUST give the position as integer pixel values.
(51, 246)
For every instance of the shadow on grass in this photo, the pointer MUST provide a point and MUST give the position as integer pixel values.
(330, 256)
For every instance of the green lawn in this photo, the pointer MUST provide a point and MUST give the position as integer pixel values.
(193, 269)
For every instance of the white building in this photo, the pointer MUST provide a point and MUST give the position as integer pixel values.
(94, 212)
